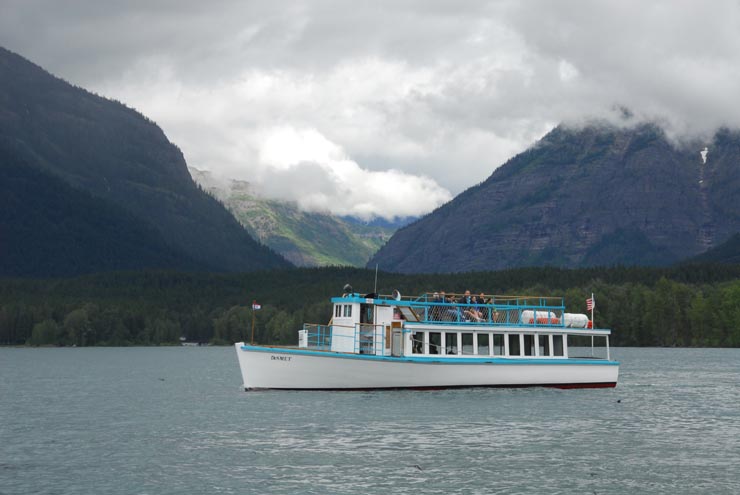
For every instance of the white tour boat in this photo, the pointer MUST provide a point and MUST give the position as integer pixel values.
(434, 342)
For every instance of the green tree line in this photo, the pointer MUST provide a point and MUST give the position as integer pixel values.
(692, 305)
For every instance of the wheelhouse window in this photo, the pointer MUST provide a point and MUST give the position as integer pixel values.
(557, 345)
(451, 343)
(515, 349)
(337, 310)
(528, 345)
(484, 348)
(467, 344)
(347, 310)
(544, 344)
(498, 344)
(435, 343)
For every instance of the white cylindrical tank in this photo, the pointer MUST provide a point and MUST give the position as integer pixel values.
(574, 320)
(543, 316)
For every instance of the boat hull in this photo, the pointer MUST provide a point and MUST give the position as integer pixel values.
(300, 369)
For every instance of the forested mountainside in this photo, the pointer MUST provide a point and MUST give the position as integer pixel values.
(122, 158)
(50, 228)
(303, 238)
(686, 305)
(596, 195)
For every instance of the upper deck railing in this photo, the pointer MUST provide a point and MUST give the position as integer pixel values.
(488, 310)
(453, 309)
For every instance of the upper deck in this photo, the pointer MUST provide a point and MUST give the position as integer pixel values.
(529, 312)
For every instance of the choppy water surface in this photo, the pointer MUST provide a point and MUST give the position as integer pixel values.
(174, 420)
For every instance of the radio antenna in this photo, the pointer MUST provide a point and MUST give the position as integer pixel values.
(375, 291)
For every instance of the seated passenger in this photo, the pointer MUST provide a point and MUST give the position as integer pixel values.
(451, 311)
(470, 312)
(482, 306)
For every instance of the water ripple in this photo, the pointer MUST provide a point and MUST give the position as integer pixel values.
(160, 421)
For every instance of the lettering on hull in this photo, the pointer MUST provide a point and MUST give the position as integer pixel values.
(280, 358)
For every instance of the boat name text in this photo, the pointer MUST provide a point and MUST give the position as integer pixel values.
(280, 358)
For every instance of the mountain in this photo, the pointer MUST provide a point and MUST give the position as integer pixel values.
(120, 158)
(303, 238)
(393, 225)
(51, 229)
(596, 195)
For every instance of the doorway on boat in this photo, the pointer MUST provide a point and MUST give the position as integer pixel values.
(367, 329)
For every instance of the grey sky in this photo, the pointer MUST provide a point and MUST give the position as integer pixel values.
(386, 107)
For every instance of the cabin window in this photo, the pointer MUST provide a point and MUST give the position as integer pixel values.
(557, 345)
(451, 343)
(417, 343)
(498, 344)
(528, 345)
(515, 349)
(435, 343)
(338, 311)
(544, 345)
(347, 310)
(467, 344)
(484, 348)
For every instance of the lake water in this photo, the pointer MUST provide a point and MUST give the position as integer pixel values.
(175, 420)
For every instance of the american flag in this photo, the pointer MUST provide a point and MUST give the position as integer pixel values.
(256, 306)
(590, 303)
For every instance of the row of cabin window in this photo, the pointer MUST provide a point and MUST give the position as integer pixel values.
(486, 344)
(338, 310)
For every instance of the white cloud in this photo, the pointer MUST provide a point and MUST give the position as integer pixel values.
(302, 165)
(426, 95)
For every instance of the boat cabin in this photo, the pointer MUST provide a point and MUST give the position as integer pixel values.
(434, 327)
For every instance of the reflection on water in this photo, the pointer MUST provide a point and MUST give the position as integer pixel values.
(174, 420)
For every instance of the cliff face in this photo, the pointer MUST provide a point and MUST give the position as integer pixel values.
(117, 155)
(583, 197)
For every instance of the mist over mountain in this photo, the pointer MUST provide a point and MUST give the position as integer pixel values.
(595, 195)
(119, 159)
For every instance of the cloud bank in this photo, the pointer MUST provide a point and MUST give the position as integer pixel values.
(387, 108)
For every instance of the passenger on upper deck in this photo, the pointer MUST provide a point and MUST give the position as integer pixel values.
(466, 299)
(471, 312)
(482, 308)
(450, 311)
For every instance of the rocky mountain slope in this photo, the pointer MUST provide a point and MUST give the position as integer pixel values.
(726, 253)
(597, 195)
(119, 157)
(303, 238)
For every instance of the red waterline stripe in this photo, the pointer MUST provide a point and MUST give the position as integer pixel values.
(447, 387)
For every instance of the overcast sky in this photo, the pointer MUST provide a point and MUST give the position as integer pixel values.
(385, 108)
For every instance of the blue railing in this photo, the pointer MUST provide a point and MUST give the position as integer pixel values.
(365, 338)
(369, 338)
(498, 310)
(318, 336)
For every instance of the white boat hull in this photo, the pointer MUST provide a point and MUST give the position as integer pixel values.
(300, 369)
